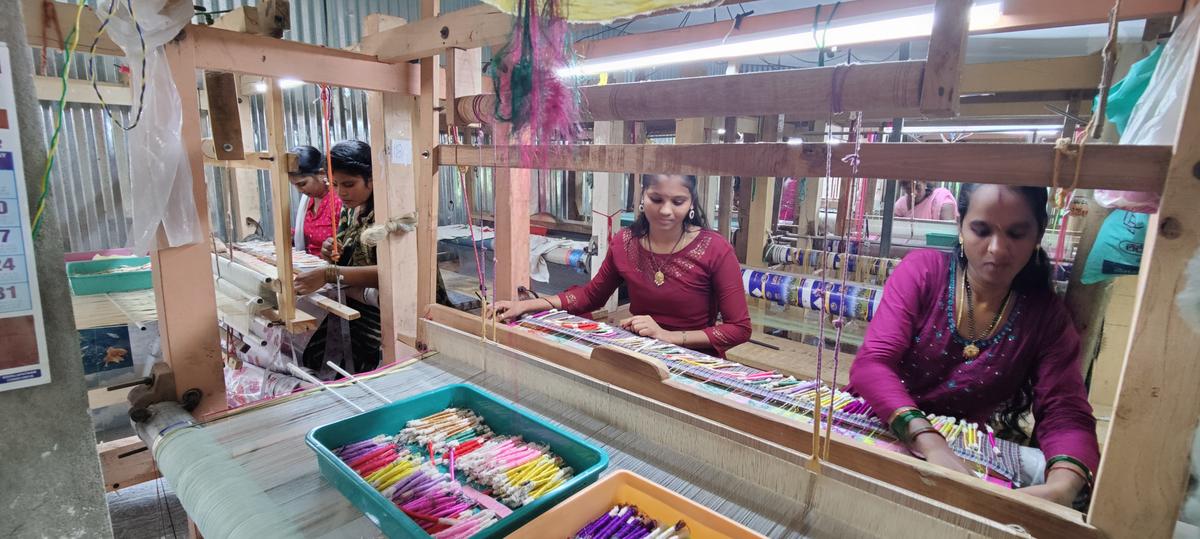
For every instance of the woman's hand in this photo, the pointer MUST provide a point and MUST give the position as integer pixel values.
(309, 281)
(503, 311)
(1061, 487)
(327, 249)
(935, 450)
(645, 326)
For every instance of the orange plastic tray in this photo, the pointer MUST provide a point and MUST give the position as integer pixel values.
(627, 487)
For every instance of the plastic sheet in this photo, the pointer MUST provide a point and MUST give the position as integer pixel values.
(160, 173)
(1155, 118)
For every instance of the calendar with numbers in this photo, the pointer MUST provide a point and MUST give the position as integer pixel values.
(23, 360)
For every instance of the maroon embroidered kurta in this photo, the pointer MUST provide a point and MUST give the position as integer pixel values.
(702, 280)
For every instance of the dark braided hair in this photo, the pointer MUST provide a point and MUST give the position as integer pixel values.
(352, 157)
(1034, 278)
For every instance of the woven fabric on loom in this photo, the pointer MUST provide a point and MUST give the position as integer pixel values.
(690, 367)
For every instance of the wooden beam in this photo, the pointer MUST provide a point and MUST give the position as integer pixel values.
(1020, 15)
(761, 217)
(884, 89)
(223, 115)
(394, 162)
(379, 22)
(1144, 468)
(183, 286)
(470, 28)
(725, 195)
(425, 139)
(81, 91)
(606, 201)
(280, 201)
(512, 188)
(222, 50)
(1041, 75)
(122, 469)
(1134, 168)
(947, 53)
(1041, 518)
(89, 26)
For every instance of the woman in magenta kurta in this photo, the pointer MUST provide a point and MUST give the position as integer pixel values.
(981, 335)
(921, 200)
(680, 275)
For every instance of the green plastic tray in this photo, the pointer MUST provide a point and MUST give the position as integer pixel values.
(85, 280)
(938, 239)
(583, 458)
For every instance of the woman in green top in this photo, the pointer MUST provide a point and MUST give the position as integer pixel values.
(356, 263)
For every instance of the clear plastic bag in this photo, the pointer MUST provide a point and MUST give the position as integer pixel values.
(160, 174)
(1155, 118)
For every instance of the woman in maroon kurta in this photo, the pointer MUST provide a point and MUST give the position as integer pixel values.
(980, 334)
(680, 275)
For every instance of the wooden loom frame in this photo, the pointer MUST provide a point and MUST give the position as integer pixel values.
(1157, 405)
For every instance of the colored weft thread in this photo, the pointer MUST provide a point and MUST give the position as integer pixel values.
(627, 522)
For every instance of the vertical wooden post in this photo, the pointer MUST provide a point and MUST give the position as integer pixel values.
(393, 167)
(947, 52)
(761, 215)
(606, 200)
(638, 136)
(425, 138)
(512, 189)
(1144, 468)
(247, 202)
(281, 202)
(725, 196)
(692, 131)
(183, 285)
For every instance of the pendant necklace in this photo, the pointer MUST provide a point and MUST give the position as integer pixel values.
(659, 277)
(972, 349)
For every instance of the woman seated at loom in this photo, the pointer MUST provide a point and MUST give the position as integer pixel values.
(980, 335)
(353, 263)
(318, 210)
(921, 200)
(680, 274)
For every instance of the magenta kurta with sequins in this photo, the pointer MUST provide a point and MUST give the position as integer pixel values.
(912, 355)
(702, 280)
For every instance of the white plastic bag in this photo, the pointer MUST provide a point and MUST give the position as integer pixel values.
(160, 175)
(1155, 118)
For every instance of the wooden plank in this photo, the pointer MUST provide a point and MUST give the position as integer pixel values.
(247, 200)
(379, 22)
(395, 178)
(883, 89)
(1040, 75)
(425, 139)
(129, 470)
(89, 26)
(1039, 517)
(331, 306)
(281, 199)
(470, 28)
(81, 91)
(1031, 14)
(183, 285)
(1134, 168)
(606, 201)
(947, 53)
(512, 226)
(223, 116)
(760, 218)
(1144, 468)
(725, 195)
(222, 50)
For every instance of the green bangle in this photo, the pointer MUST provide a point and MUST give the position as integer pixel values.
(1071, 460)
(900, 424)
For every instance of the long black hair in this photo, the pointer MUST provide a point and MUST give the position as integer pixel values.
(352, 157)
(309, 159)
(641, 226)
(1033, 279)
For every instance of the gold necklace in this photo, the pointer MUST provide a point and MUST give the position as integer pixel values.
(972, 349)
(659, 277)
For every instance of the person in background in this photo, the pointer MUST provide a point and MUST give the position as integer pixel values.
(317, 211)
(680, 275)
(921, 200)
